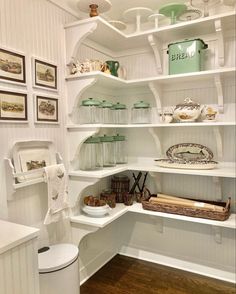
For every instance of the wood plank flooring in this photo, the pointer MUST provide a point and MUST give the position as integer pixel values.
(125, 275)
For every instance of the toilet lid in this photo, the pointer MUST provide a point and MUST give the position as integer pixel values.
(57, 257)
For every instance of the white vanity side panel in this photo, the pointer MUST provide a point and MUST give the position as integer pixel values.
(19, 269)
(35, 28)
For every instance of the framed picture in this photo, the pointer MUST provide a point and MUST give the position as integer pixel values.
(12, 66)
(46, 109)
(13, 106)
(45, 74)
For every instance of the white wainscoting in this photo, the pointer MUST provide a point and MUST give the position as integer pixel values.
(19, 269)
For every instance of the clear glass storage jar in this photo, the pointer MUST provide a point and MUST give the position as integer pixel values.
(106, 112)
(108, 151)
(91, 154)
(89, 111)
(141, 113)
(120, 149)
(120, 113)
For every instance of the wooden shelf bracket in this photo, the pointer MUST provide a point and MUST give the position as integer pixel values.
(157, 141)
(219, 89)
(157, 92)
(220, 37)
(219, 142)
(75, 89)
(158, 223)
(75, 34)
(217, 234)
(78, 138)
(155, 47)
(217, 182)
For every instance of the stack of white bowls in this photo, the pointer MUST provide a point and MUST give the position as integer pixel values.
(96, 211)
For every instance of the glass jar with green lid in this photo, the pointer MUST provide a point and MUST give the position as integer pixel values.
(120, 113)
(90, 157)
(120, 149)
(141, 113)
(108, 151)
(89, 111)
(106, 112)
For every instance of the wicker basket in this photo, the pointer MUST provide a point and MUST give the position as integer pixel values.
(193, 212)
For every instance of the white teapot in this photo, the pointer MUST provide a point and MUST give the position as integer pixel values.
(189, 111)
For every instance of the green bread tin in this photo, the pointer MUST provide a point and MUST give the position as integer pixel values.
(186, 56)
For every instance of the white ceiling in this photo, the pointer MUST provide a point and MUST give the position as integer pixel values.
(118, 6)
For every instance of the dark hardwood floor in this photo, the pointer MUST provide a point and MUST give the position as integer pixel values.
(125, 275)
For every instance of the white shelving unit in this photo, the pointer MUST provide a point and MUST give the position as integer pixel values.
(99, 35)
(216, 76)
(120, 41)
(157, 125)
(121, 209)
(224, 170)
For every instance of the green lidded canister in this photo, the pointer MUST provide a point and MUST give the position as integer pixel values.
(186, 56)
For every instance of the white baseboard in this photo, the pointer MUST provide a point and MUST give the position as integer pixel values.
(95, 264)
(177, 263)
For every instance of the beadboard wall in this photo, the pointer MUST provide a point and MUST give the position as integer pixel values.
(19, 269)
(35, 28)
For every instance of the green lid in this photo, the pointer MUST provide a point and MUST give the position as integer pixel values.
(204, 45)
(90, 102)
(141, 104)
(106, 104)
(92, 140)
(118, 138)
(118, 106)
(106, 138)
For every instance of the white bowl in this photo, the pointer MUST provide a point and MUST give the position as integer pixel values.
(94, 212)
(96, 208)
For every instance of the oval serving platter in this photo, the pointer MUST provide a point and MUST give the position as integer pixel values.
(189, 152)
(186, 165)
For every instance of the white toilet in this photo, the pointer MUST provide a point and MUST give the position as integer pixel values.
(59, 269)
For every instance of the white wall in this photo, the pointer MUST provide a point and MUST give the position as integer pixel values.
(35, 28)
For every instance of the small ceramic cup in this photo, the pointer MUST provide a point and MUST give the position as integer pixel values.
(165, 115)
(209, 113)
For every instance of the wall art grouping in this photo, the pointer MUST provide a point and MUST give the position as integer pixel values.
(13, 106)
(14, 103)
(46, 109)
(12, 66)
(44, 74)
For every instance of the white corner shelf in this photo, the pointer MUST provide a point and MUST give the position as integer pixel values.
(152, 125)
(80, 82)
(121, 209)
(114, 82)
(229, 223)
(104, 32)
(99, 174)
(224, 170)
(101, 222)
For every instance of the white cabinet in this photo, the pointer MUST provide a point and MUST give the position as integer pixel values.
(144, 56)
(18, 259)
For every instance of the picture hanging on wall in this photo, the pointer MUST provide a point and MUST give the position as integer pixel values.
(46, 109)
(13, 106)
(12, 66)
(44, 74)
